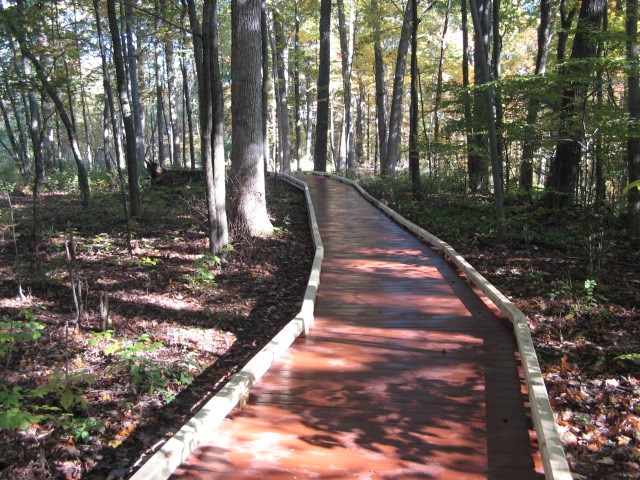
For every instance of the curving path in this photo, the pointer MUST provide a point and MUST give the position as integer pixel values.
(406, 374)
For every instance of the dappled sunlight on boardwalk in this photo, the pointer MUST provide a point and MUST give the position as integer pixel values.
(406, 374)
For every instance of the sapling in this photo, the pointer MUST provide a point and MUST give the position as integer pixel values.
(15, 241)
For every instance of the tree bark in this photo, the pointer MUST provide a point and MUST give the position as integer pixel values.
(347, 153)
(414, 154)
(395, 114)
(438, 95)
(633, 142)
(533, 106)
(135, 106)
(249, 203)
(296, 84)
(280, 64)
(131, 155)
(493, 140)
(381, 89)
(478, 171)
(468, 115)
(322, 116)
(563, 172)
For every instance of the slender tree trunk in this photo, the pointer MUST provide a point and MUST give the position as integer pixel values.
(438, 96)
(347, 154)
(478, 173)
(322, 117)
(159, 104)
(15, 149)
(220, 226)
(633, 142)
(533, 106)
(189, 112)
(493, 141)
(249, 203)
(280, 61)
(496, 71)
(598, 151)
(296, 84)
(264, 32)
(563, 172)
(134, 104)
(414, 154)
(381, 90)
(172, 96)
(359, 140)
(126, 111)
(309, 120)
(468, 115)
(395, 114)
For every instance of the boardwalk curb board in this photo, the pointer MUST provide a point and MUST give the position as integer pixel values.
(235, 392)
(554, 459)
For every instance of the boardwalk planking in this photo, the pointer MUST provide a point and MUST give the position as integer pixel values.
(406, 374)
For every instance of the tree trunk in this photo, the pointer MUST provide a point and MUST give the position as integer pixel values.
(478, 171)
(493, 140)
(296, 84)
(280, 61)
(172, 95)
(633, 142)
(438, 96)
(249, 203)
(189, 112)
(529, 144)
(468, 116)
(322, 116)
(359, 143)
(135, 106)
(563, 172)
(395, 115)
(125, 108)
(414, 154)
(347, 154)
(381, 89)
(160, 125)
(264, 33)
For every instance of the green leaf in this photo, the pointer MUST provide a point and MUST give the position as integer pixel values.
(635, 184)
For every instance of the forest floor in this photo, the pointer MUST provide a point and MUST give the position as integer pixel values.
(86, 403)
(572, 273)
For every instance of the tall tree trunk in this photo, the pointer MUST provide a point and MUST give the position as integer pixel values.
(296, 84)
(438, 95)
(280, 62)
(188, 111)
(264, 33)
(496, 71)
(249, 203)
(359, 140)
(322, 117)
(633, 142)
(478, 173)
(566, 20)
(126, 111)
(309, 119)
(212, 129)
(468, 115)
(381, 89)
(160, 125)
(395, 114)
(533, 106)
(563, 172)
(493, 140)
(598, 151)
(172, 96)
(220, 226)
(347, 153)
(414, 154)
(135, 106)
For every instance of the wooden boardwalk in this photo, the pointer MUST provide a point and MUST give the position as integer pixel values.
(406, 374)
